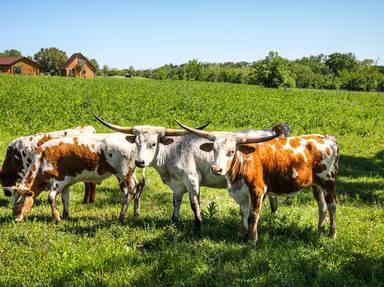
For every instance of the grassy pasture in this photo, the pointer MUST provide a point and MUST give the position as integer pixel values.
(92, 249)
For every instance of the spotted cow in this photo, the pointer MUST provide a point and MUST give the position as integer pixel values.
(64, 161)
(21, 152)
(280, 166)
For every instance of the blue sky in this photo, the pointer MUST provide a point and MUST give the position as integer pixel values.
(152, 33)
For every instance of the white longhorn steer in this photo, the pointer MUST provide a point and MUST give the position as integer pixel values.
(177, 157)
(64, 161)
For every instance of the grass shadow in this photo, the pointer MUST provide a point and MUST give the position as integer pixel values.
(351, 166)
(361, 178)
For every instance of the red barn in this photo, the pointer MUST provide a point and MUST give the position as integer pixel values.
(18, 65)
(78, 66)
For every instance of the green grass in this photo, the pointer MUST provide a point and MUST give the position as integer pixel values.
(93, 249)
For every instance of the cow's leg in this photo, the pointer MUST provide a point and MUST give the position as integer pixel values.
(90, 192)
(178, 194)
(244, 211)
(239, 192)
(124, 207)
(256, 194)
(273, 203)
(137, 186)
(321, 204)
(127, 199)
(52, 201)
(136, 207)
(330, 199)
(65, 201)
(194, 199)
(86, 193)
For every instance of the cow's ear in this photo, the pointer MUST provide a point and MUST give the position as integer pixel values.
(206, 147)
(130, 139)
(166, 140)
(246, 149)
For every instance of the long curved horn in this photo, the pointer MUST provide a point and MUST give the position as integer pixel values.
(248, 140)
(178, 132)
(126, 130)
(196, 132)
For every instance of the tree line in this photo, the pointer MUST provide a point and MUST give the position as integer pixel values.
(333, 71)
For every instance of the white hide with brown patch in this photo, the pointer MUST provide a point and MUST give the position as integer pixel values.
(282, 166)
(65, 161)
(21, 153)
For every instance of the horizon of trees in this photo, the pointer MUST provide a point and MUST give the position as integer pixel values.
(333, 71)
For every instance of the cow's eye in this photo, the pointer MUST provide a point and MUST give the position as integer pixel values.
(230, 153)
(154, 144)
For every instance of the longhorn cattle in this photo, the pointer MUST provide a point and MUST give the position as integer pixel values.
(21, 152)
(64, 161)
(182, 166)
(280, 166)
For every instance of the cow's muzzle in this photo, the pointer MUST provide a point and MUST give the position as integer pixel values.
(140, 163)
(217, 170)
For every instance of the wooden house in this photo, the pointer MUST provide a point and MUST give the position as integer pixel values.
(78, 66)
(18, 65)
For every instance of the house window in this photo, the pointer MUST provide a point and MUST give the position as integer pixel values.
(17, 69)
(3, 69)
(72, 73)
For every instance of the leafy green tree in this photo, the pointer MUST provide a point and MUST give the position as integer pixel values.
(192, 70)
(11, 53)
(159, 74)
(50, 60)
(96, 65)
(338, 62)
(304, 76)
(105, 70)
(315, 63)
(273, 71)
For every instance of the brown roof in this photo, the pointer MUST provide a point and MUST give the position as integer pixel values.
(8, 61)
(73, 57)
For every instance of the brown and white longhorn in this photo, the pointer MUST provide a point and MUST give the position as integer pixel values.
(280, 166)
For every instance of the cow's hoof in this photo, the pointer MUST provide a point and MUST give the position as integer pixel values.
(136, 214)
(243, 233)
(252, 242)
(197, 234)
(321, 229)
(175, 220)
